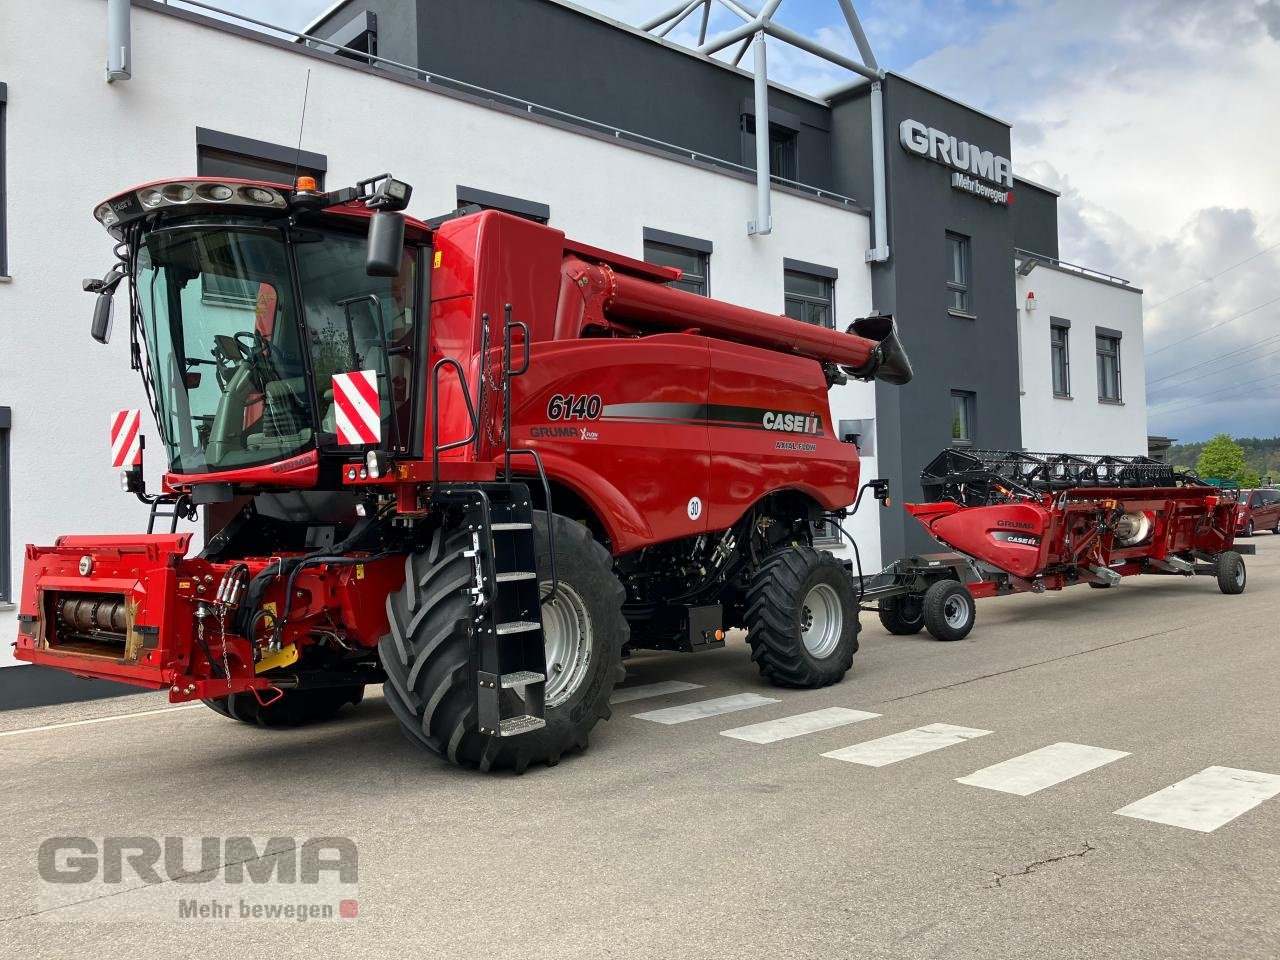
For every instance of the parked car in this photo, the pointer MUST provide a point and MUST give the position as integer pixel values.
(1258, 510)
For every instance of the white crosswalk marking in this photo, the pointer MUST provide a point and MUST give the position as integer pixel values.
(706, 708)
(1041, 768)
(785, 728)
(627, 694)
(1206, 800)
(902, 746)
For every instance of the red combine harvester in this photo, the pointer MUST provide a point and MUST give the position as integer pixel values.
(1033, 522)
(470, 459)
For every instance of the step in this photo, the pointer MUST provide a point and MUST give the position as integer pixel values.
(520, 678)
(518, 626)
(516, 575)
(514, 726)
(514, 525)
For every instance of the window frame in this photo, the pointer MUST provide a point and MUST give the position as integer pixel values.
(231, 146)
(826, 275)
(964, 285)
(970, 404)
(488, 200)
(4, 199)
(784, 147)
(6, 524)
(654, 241)
(1102, 354)
(1057, 326)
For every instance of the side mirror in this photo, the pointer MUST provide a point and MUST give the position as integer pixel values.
(386, 244)
(103, 310)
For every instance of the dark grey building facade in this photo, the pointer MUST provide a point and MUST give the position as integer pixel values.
(949, 278)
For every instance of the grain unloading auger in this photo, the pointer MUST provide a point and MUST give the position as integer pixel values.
(1021, 521)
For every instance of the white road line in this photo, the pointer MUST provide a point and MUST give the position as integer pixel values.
(785, 728)
(1041, 768)
(118, 716)
(627, 694)
(903, 746)
(706, 708)
(1206, 800)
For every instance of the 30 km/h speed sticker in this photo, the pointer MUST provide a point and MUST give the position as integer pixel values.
(695, 508)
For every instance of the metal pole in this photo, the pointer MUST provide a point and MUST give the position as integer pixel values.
(880, 252)
(763, 224)
(119, 58)
(859, 37)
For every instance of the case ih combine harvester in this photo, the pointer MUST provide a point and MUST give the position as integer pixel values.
(474, 461)
(1034, 521)
(480, 463)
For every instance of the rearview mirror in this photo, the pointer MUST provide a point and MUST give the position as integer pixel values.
(386, 244)
(103, 310)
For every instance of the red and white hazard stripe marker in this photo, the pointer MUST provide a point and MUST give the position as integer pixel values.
(126, 438)
(357, 408)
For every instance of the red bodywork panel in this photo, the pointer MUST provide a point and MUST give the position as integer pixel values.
(1065, 532)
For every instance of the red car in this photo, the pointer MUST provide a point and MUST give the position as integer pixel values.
(1258, 510)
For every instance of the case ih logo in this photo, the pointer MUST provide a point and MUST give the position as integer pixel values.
(791, 422)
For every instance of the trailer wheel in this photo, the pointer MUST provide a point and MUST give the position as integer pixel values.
(294, 708)
(902, 616)
(802, 618)
(1229, 566)
(949, 610)
(426, 654)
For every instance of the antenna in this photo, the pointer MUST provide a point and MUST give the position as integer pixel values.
(297, 159)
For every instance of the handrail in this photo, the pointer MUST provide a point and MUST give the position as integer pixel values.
(1067, 265)
(533, 109)
(436, 446)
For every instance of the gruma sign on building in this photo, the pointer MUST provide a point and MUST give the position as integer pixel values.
(971, 163)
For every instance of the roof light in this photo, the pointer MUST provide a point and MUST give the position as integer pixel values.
(215, 191)
(305, 184)
(134, 204)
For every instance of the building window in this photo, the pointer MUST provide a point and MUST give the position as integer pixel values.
(1108, 365)
(690, 254)
(962, 416)
(227, 155)
(809, 293)
(958, 273)
(782, 148)
(6, 579)
(1059, 358)
(4, 226)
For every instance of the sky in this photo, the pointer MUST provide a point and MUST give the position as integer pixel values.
(1159, 122)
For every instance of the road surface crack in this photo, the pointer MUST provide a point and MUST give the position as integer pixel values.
(999, 877)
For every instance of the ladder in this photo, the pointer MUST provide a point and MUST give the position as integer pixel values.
(508, 655)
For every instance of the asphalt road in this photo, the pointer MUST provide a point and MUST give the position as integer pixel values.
(671, 840)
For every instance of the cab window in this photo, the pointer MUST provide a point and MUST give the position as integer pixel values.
(357, 322)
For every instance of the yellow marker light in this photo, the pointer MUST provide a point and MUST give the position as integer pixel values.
(435, 261)
(305, 183)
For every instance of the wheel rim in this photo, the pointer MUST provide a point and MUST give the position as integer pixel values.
(1239, 577)
(821, 620)
(567, 635)
(955, 611)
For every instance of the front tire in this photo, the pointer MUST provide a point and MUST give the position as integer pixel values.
(902, 616)
(1229, 567)
(1248, 529)
(426, 655)
(802, 619)
(949, 610)
(294, 708)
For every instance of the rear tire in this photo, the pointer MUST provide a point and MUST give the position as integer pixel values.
(903, 616)
(802, 618)
(1229, 566)
(949, 610)
(426, 654)
(295, 708)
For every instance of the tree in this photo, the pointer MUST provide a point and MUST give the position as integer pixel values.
(1221, 459)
